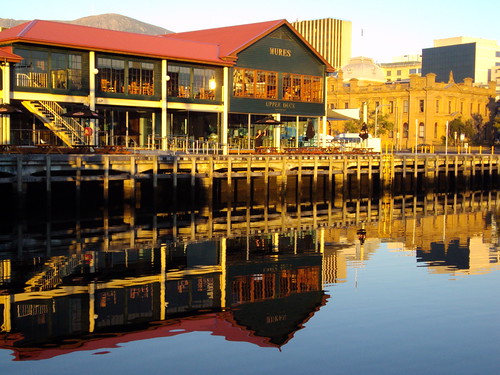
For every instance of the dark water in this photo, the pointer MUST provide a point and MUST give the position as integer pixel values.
(393, 285)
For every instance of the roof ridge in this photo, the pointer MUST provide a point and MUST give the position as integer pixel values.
(28, 27)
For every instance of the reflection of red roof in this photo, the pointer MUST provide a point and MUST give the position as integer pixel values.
(215, 323)
(219, 324)
(91, 38)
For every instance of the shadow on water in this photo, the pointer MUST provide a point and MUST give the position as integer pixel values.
(248, 262)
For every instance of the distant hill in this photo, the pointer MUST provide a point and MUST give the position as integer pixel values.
(109, 21)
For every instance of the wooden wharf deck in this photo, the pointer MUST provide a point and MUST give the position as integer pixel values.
(19, 170)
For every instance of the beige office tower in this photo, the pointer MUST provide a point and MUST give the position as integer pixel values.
(330, 37)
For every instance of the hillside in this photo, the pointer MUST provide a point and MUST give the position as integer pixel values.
(109, 21)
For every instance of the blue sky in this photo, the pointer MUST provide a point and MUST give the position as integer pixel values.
(380, 30)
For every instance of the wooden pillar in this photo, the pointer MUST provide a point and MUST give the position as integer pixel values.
(370, 176)
(106, 180)
(192, 188)
(358, 175)
(266, 191)
(78, 180)
(315, 179)
(48, 183)
(329, 187)
(345, 179)
(174, 183)
(230, 193)
(282, 186)
(249, 185)
(299, 186)
(129, 186)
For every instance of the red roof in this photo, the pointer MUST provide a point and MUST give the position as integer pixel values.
(216, 46)
(233, 39)
(7, 55)
(91, 38)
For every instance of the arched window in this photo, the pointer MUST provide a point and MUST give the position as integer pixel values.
(435, 130)
(405, 130)
(421, 130)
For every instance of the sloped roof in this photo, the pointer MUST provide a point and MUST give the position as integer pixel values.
(7, 55)
(91, 38)
(219, 324)
(234, 39)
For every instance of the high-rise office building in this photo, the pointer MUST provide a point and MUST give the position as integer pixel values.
(465, 57)
(330, 37)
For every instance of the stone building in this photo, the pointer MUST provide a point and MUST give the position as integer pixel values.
(419, 109)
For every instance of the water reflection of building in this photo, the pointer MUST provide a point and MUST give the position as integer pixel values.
(137, 282)
(264, 296)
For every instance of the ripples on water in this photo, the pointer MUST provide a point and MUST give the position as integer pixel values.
(400, 285)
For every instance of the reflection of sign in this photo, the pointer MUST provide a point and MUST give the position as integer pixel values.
(276, 318)
(280, 52)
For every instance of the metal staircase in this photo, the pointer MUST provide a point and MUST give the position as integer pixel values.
(69, 130)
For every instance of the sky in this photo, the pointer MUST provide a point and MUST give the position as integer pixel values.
(379, 30)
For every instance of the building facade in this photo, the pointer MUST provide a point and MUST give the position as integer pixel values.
(153, 90)
(402, 67)
(330, 37)
(419, 109)
(278, 75)
(466, 57)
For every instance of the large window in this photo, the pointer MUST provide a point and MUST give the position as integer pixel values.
(33, 70)
(111, 77)
(66, 71)
(141, 78)
(45, 69)
(204, 83)
(125, 76)
(191, 82)
(252, 83)
(297, 87)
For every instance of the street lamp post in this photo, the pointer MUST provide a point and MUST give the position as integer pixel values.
(446, 139)
(448, 132)
(376, 117)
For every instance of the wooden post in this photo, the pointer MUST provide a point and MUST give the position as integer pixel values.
(299, 185)
(192, 189)
(329, 186)
(229, 195)
(315, 180)
(48, 184)
(266, 190)
(370, 176)
(106, 180)
(78, 179)
(358, 175)
(249, 182)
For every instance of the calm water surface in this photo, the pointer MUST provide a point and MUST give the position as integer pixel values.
(418, 295)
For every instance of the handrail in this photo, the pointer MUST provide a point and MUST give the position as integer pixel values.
(185, 144)
(74, 127)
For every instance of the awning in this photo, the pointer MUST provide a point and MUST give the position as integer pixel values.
(343, 114)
